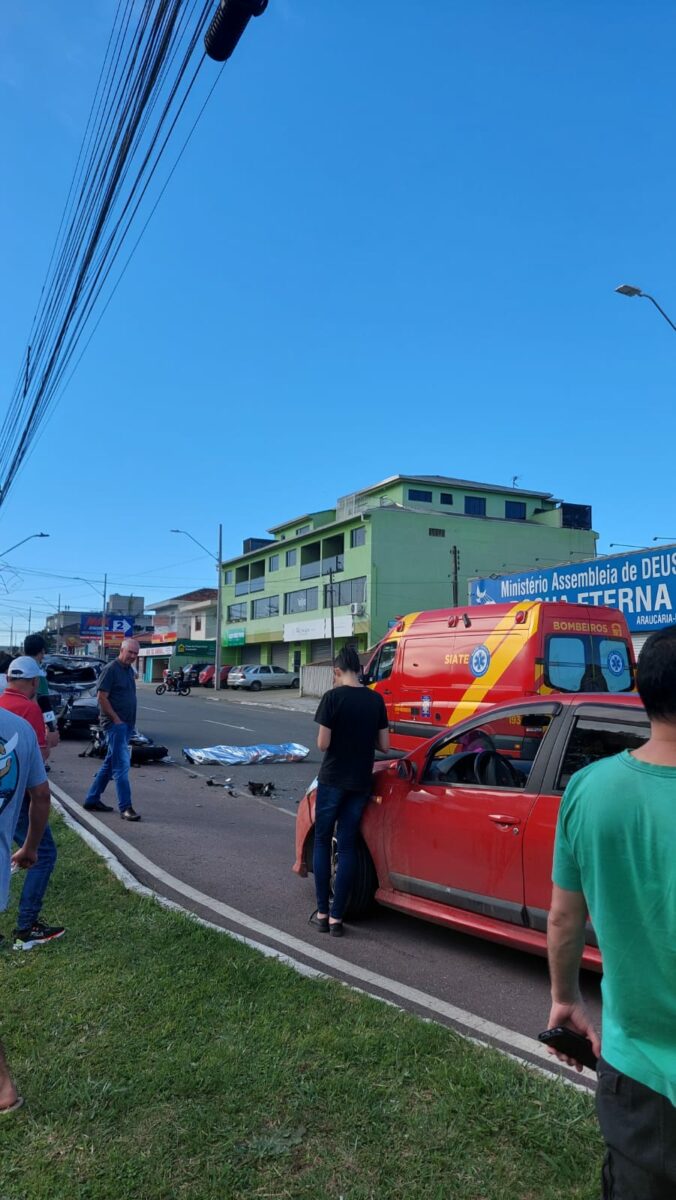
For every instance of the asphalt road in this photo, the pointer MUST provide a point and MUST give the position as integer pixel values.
(239, 850)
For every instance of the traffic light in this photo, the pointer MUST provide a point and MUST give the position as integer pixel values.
(230, 20)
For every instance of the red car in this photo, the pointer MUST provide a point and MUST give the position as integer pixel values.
(206, 677)
(461, 830)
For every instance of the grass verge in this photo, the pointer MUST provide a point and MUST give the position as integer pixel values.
(163, 1060)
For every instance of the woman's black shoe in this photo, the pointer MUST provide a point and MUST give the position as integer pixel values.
(320, 923)
(336, 929)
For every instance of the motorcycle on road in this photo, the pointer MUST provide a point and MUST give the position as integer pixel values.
(175, 684)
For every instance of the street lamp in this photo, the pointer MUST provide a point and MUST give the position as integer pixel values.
(664, 539)
(219, 616)
(26, 539)
(626, 289)
(626, 545)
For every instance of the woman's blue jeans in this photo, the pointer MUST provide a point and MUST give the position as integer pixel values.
(336, 807)
(115, 766)
(37, 878)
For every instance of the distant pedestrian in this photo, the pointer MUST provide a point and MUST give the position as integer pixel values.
(615, 857)
(117, 702)
(36, 646)
(21, 769)
(352, 724)
(19, 697)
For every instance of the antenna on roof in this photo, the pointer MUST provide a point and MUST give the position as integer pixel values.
(515, 480)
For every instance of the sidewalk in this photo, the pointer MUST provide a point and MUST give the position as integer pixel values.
(272, 698)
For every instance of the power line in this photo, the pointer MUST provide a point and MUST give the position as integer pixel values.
(149, 71)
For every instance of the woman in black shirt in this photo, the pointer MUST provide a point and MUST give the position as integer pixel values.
(352, 723)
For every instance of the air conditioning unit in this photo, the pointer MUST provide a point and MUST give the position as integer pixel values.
(357, 610)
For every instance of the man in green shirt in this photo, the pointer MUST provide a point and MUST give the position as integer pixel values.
(615, 857)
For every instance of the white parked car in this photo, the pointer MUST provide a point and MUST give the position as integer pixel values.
(255, 678)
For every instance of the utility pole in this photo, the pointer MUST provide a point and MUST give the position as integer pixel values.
(333, 627)
(11, 636)
(30, 613)
(58, 624)
(103, 617)
(455, 566)
(219, 614)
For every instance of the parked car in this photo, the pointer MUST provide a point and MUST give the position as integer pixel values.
(207, 675)
(460, 831)
(191, 674)
(255, 678)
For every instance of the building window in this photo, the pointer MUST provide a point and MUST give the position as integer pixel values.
(302, 529)
(475, 506)
(302, 601)
(257, 576)
(446, 498)
(350, 591)
(417, 494)
(291, 558)
(237, 612)
(267, 606)
(273, 564)
(358, 536)
(515, 510)
(198, 624)
(437, 532)
(228, 578)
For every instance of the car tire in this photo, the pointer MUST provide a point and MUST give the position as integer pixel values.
(364, 883)
(161, 689)
(365, 880)
(255, 686)
(294, 684)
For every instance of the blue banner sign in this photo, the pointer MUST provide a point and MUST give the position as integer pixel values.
(642, 585)
(90, 624)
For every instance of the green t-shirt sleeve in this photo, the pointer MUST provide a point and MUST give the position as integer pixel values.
(43, 686)
(565, 871)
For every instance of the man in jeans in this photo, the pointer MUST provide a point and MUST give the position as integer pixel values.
(117, 702)
(615, 856)
(19, 697)
(21, 770)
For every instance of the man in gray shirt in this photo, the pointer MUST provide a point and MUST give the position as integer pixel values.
(21, 770)
(117, 703)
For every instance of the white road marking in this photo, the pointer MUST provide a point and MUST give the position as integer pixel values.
(227, 724)
(481, 1029)
(151, 708)
(262, 704)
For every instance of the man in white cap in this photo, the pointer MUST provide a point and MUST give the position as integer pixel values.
(19, 697)
(21, 769)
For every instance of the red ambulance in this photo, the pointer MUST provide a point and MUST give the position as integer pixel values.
(434, 669)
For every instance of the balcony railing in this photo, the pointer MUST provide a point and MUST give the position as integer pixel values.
(335, 563)
(310, 570)
(242, 589)
(257, 585)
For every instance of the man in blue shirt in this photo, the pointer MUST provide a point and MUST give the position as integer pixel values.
(615, 857)
(21, 770)
(117, 703)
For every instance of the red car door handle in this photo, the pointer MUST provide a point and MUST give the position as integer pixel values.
(501, 819)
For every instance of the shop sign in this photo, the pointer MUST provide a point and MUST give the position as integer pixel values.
(301, 631)
(642, 585)
(186, 646)
(234, 637)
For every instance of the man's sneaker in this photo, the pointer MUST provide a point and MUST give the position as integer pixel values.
(25, 939)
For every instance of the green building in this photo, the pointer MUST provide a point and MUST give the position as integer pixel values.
(408, 543)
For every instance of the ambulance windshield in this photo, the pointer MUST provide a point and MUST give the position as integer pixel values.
(587, 663)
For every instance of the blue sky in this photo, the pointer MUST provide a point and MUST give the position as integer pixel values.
(390, 247)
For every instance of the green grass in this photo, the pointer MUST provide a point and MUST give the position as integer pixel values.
(160, 1059)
